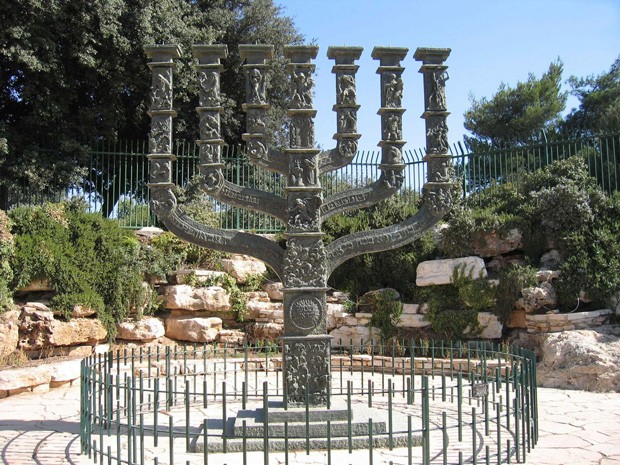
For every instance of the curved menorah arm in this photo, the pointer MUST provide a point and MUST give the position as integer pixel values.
(248, 198)
(361, 197)
(379, 240)
(165, 206)
(391, 143)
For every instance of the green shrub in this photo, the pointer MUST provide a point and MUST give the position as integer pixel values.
(91, 261)
(387, 311)
(7, 250)
(454, 308)
(508, 291)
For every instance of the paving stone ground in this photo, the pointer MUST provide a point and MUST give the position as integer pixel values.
(576, 428)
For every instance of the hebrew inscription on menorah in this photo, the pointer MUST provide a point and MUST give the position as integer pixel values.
(306, 263)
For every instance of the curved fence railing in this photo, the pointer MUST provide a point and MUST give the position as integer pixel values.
(421, 402)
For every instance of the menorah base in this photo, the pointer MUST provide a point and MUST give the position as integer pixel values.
(307, 370)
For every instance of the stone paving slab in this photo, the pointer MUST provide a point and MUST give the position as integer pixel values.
(576, 428)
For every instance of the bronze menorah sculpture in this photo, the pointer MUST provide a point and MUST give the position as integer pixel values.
(306, 263)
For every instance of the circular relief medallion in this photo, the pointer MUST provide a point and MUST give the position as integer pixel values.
(305, 312)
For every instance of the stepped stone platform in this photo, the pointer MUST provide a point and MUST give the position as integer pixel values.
(295, 428)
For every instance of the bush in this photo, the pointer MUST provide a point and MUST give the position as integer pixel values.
(511, 281)
(454, 308)
(7, 249)
(90, 260)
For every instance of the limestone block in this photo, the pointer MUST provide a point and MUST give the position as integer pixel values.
(357, 336)
(24, 378)
(551, 260)
(148, 233)
(40, 330)
(232, 337)
(544, 276)
(184, 297)
(64, 372)
(191, 329)
(534, 298)
(490, 325)
(81, 311)
(9, 332)
(64, 351)
(146, 329)
(241, 267)
(264, 332)
(260, 296)
(201, 276)
(411, 309)
(274, 290)
(256, 309)
(497, 243)
(413, 320)
(581, 359)
(436, 272)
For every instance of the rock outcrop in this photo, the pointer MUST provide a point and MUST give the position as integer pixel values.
(193, 329)
(145, 330)
(185, 297)
(582, 359)
(9, 332)
(437, 272)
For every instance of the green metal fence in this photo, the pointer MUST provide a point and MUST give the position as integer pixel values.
(423, 402)
(114, 182)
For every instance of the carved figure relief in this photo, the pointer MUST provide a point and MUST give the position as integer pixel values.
(304, 263)
(257, 149)
(163, 202)
(444, 172)
(210, 87)
(347, 148)
(437, 95)
(393, 130)
(161, 91)
(438, 199)
(160, 170)
(393, 179)
(255, 121)
(296, 173)
(301, 132)
(209, 153)
(393, 90)
(438, 138)
(303, 213)
(209, 126)
(307, 371)
(256, 80)
(347, 121)
(302, 89)
(346, 90)
(159, 139)
(213, 179)
(393, 155)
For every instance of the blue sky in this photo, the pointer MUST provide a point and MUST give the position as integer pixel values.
(491, 41)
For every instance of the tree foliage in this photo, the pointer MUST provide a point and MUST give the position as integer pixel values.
(75, 71)
(599, 102)
(516, 116)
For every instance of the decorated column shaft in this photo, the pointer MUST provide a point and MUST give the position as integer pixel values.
(440, 172)
(306, 345)
(209, 111)
(391, 112)
(161, 113)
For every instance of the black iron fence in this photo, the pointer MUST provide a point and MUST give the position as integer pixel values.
(114, 182)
